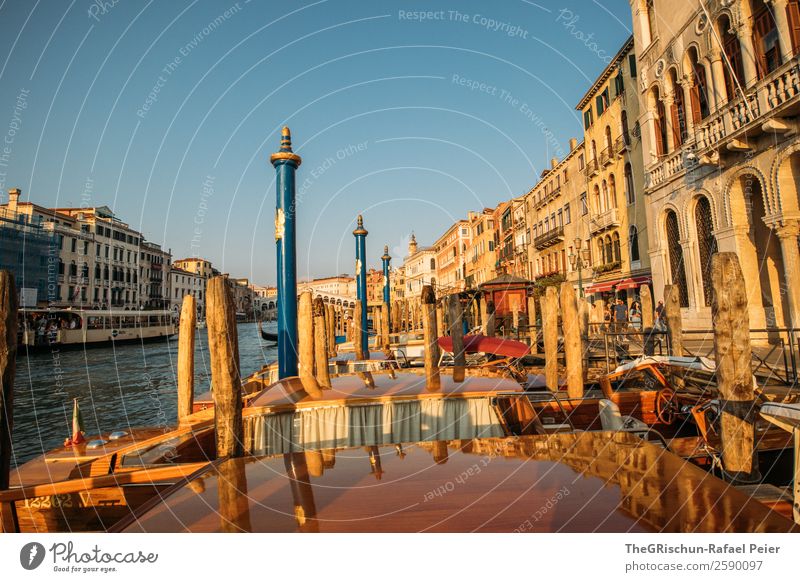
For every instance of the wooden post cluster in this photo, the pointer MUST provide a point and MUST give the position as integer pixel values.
(672, 313)
(455, 311)
(550, 332)
(573, 347)
(223, 347)
(186, 333)
(322, 328)
(733, 353)
(430, 332)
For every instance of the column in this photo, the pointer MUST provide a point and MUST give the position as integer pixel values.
(286, 163)
(361, 279)
(718, 74)
(686, 87)
(668, 100)
(745, 34)
(788, 233)
(784, 34)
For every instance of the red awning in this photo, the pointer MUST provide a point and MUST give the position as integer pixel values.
(601, 287)
(633, 283)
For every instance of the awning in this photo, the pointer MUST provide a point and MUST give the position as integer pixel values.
(633, 282)
(601, 287)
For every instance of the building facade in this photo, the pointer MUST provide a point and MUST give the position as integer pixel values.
(481, 257)
(419, 268)
(558, 225)
(719, 90)
(617, 225)
(183, 283)
(450, 251)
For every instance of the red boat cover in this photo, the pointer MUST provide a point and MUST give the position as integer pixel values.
(488, 345)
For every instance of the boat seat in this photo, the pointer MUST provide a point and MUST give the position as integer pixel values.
(611, 419)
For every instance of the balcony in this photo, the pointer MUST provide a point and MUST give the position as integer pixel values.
(622, 143)
(604, 221)
(607, 155)
(607, 268)
(759, 111)
(548, 239)
(552, 195)
(591, 168)
(666, 168)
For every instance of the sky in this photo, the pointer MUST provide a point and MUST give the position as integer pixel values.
(410, 113)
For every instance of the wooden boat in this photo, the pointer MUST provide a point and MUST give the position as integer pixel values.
(64, 328)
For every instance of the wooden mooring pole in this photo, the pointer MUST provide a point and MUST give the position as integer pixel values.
(223, 347)
(672, 313)
(573, 348)
(385, 326)
(186, 333)
(733, 354)
(431, 334)
(305, 344)
(456, 313)
(550, 332)
(8, 369)
(533, 331)
(321, 338)
(359, 348)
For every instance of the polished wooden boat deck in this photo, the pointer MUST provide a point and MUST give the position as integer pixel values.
(580, 482)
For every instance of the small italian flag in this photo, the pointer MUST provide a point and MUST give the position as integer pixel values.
(77, 426)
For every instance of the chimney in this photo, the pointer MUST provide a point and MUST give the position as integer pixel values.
(13, 199)
(553, 163)
(573, 143)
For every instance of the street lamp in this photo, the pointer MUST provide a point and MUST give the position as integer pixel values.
(579, 259)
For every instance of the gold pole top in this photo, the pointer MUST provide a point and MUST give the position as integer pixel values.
(285, 152)
(360, 228)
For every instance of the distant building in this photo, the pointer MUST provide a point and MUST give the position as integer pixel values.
(183, 283)
(481, 258)
(419, 269)
(450, 251)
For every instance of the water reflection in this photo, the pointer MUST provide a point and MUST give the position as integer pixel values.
(121, 387)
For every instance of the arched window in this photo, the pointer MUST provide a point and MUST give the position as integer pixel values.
(626, 138)
(594, 151)
(732, 68)
(97, 271)
(677, 112)
(601, 251)
(706, 243)
(676, 257)
(609, 250)
(606, 204)
(765, 39)
(630, 195)
(617, 253)
(633, 243)
(699, 91)
(433, 264)
(597, 206)
(609, 139)
(612, 191)
(661, 126)
(73, 269)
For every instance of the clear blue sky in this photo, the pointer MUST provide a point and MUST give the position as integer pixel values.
(167, 112)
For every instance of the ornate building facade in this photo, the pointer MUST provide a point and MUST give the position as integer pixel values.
(719, 90)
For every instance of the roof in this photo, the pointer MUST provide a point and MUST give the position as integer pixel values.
(506, 279)
(606, 73)
(570, 482)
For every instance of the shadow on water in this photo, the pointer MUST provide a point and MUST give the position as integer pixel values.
(131, 385)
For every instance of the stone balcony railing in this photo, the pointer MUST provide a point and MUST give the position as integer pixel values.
(745, 114)
(550, 238)
(591, 167)
(604, 221)
(666, 167)
(607, 155)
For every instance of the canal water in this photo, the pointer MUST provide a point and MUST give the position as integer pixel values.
(119, 387)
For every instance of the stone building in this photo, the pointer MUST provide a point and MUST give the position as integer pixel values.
(451, 257)
(419, 268)
(481, 258)
(617, 225)
(183, 283)
(154, 280)
(553, 213)
(718, 87)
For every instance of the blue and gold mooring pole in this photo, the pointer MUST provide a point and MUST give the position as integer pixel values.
(361, 278)
(285, 163)
(387, 291)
